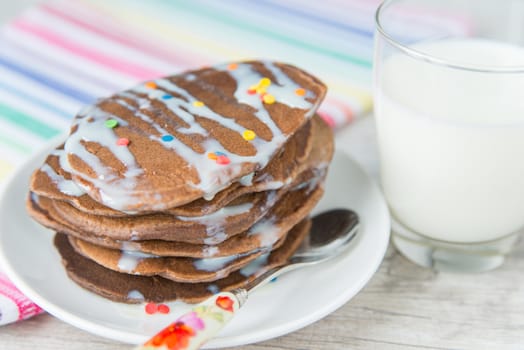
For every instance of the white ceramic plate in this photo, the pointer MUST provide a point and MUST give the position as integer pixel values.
(292, 302)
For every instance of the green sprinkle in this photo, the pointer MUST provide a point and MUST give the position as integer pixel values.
(111, 123)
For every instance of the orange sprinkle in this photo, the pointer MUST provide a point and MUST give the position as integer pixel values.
(212, 156)
(151, 84)
(300, 92)
(268, 99)
(232, 66)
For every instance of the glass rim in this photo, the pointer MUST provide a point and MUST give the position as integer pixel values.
(420, 55)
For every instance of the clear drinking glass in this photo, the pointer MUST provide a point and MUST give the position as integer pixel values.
(449, 108)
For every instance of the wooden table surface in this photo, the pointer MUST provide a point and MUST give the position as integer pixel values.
(402, 307)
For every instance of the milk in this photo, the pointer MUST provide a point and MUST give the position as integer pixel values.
(451, 141)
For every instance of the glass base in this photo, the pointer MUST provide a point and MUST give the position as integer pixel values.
(450, 256)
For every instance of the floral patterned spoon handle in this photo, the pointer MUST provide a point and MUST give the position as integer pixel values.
(193, 329)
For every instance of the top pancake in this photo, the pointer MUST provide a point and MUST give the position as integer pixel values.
(187, 133)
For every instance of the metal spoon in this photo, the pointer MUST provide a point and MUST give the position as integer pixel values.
(329, 236)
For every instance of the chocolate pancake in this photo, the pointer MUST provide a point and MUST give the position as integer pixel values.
(54, 182)
(184, 269)
(294, 205)
(179, 269)
(136, 289)
(168, 142)
(188, 184)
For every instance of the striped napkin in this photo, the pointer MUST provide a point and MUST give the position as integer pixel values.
(61, 55)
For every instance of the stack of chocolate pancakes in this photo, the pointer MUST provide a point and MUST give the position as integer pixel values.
(187, 185)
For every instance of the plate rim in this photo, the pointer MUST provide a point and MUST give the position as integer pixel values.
(218, 342)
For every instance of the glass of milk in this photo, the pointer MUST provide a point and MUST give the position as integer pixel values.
(449, 109)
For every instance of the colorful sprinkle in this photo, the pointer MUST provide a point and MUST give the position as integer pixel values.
(251, 91)
(167, 97)
(300, 92)
(198, 104)
(212, 156)
(232, 66)
(151, 84)
(260, 90)
(163, 309)
(268, 99)
(151, 308)
(122, 141)
(249, 135)
(111, 123)
(167, 138)
(264, 82)
(223, 160)
(218, 153)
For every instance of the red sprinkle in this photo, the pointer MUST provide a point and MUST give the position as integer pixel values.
(251, 91)
(223, 160)
(122, 141)
(163, 309)
(151, 308)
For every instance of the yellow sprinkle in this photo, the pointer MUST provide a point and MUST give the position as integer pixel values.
(264, 82)
(212, 156)
(249, 135)
(300, 92)
(260, 90)
(198, 104)
(269, 99)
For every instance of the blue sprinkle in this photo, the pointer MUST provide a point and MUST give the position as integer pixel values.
(218, 154)
(273, 279)
(167, 138)
(167, 97)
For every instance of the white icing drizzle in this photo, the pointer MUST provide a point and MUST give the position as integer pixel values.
(118, 192)
(213, 288)
(266, 231)
(114, 190)
(213, 264)
(175, 104)
(247, 180)
(215, 222)
(284, 94)
(35, 198)
(129, 246)
(210, 251)
(217, 238)
(135, 295)
(65, 186)
(129, 260)
(255, 267)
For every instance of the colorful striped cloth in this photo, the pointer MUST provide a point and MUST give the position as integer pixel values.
(61, 55)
